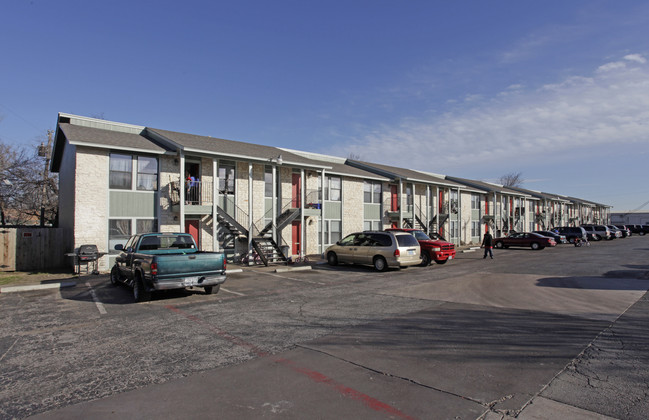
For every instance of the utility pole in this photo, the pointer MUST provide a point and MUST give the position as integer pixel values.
(46, 153)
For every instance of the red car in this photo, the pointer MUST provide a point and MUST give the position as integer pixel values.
(524, 239)
(437, 250)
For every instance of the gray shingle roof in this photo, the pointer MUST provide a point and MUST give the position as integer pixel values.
(231, 149)
(486, 186)
(394, 172)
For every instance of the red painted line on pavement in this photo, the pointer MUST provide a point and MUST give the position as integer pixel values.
(315, 376)
(221, 333)
(368, 401)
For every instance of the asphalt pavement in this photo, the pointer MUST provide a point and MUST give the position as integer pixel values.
(510, 338)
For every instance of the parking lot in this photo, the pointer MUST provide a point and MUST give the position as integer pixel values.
(557, 331)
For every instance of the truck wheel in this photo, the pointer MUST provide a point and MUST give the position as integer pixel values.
(425, 259)
(380, 264)
(441, 261)
(115, 276)
(140, 294)
(212, 289)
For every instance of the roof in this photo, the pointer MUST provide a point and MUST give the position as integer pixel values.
(230, 149)
(395, 173)
(487, 186)
(338, 167)
(78, 135)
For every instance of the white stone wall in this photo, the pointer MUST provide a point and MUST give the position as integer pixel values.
(91, 200)
(465, 222)
(169, 168)
(352, 205)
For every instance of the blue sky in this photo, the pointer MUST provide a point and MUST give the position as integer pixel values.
(556, 90)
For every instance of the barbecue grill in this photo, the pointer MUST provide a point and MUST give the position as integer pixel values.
(88, 255)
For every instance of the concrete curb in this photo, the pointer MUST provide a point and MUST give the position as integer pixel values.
(30, 287)
(301, 268)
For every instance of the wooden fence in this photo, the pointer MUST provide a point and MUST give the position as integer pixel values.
(33, 248)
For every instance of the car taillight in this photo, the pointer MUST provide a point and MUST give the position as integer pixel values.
(154, 269)
(225, 263)
(397, 253)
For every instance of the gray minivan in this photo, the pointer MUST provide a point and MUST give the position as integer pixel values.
(380, 249)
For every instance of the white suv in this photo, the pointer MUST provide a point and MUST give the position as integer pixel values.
(598, 232)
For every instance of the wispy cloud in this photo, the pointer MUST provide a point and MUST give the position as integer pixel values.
(579, 113)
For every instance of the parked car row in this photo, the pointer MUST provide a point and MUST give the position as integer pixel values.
(637, 229)
(390, 248)
(407, 247)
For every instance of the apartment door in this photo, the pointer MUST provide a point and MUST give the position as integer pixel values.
(296, 228)
(394, 202)
(394, 198)
(191, 227)
(296, 191)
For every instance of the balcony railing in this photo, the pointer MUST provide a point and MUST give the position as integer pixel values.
(197, 194)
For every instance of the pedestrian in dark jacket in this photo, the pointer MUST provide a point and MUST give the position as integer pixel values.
(487, 244)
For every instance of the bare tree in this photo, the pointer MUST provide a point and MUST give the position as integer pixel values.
(28, 192)
(354, 156)
(512, 179)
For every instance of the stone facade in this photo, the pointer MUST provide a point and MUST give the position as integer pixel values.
(91, 200)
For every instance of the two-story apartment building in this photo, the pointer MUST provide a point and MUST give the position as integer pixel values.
(119, 179)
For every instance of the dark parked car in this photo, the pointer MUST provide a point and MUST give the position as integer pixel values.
(572, 232)
(639, 229)
(626, 232)
(524, 239)
(559, 239)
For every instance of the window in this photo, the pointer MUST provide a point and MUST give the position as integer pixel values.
(409, 198)
(226, 177)
(147, 173)
(372, 192)
(121, 171)
(119, 230)
(333, 188)
(475, 202)
(268, 181)
(372, 225)
(475, 228)
(146, 226)
(454, 229)
(333, 229)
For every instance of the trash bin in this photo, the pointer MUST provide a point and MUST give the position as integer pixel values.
(285, 249)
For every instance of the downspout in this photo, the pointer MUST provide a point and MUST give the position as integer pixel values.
(274, 203)
(437, 207)
(181, 185)
(322, 213)
(250, 260)
(302, 226)
(459, 216)
(427, 209)
(215, 205)
(400, 203)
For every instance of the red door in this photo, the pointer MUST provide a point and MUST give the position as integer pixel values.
(295, 229)
(191, 227)
(394, 198)
(297, 191)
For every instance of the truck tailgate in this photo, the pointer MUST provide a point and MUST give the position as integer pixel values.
(183, 265)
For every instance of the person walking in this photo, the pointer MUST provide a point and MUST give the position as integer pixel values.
(487, 244)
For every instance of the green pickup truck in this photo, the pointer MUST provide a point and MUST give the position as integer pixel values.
(163, 261)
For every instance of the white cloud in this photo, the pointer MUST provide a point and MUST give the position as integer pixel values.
(577, 114)
(635, 57)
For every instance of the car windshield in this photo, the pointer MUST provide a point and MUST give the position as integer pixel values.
(420, 235)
